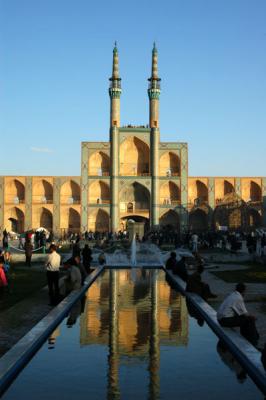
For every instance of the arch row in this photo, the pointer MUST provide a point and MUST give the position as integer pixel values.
(198, 191)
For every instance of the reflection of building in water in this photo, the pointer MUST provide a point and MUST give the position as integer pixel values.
(135, 299)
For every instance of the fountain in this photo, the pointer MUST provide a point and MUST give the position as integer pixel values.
(140, 255)
(133, 252)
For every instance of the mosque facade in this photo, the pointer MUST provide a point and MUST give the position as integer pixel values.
(133, 176)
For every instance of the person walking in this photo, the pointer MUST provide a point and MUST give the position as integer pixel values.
(28, 252)
(195, 241)
(5, 239)
(52, 265)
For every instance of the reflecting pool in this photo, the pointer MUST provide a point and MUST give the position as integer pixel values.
(132, 337)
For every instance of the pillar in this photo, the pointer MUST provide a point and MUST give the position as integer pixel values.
(28, 203)
(114, 211)
(56, 206)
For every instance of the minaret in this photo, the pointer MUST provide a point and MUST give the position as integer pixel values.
(154, 90)
(154, 95)
(115, 91)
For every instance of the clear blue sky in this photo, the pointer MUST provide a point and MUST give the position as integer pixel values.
(56, 60)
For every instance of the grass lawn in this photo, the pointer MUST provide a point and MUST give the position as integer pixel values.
(23, 283)
(255, 274)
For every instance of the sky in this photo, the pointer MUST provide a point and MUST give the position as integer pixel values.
(56, 59)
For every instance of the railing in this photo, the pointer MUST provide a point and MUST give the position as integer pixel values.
(169, 202)
(15, 201)
(69, 200)
(115, 83)
(98, 172)
(135, 211)
(154, 84)
(99, 201)
(169, 173)
(42, 201)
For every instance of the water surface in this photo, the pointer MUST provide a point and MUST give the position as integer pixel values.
(132, 338)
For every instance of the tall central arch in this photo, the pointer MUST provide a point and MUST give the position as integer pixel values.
(134, 157)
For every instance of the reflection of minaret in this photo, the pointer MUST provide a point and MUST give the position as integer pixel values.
(154, 352)
(154, 95)
(114, 93)
(113, 358)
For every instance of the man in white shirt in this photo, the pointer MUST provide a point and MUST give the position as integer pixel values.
(194, 239)
(232, 313)
(52, 265)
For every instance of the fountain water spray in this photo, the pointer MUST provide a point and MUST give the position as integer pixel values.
(133, 252)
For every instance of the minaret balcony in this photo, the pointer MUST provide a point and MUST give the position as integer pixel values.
(155, 84)
(115, 83)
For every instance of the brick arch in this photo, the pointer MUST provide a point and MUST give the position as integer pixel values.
(42, 192)
(255, 192)
(228, 187)
(73, 220)
(198, 220)
(170, 193)
(134, 156)
(99, 164)
(169, 164)
(15, 220)
(170, 218)
(70, 192)
(46, 218)
(99, 192)
(14, 191)
(99, 220)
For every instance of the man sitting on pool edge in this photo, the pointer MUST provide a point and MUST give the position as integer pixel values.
(233, 313)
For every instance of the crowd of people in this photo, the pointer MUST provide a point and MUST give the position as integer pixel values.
(75, 270)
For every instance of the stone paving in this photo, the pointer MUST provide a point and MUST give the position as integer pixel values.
(17, 320)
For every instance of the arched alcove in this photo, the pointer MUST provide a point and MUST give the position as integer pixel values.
(134, 157)
(202, 191)
(42, 192)
(169, 164)
(255, 192)
(14, 192)
(169, 194)
(73, 220)
(254, 218)
(171, 219)
(15, 217)
(99, 193)
(136, 196)
(98, 221)
(46, 219)
(228, 187)
(99, 164)
(198, 221)
(70, 193)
